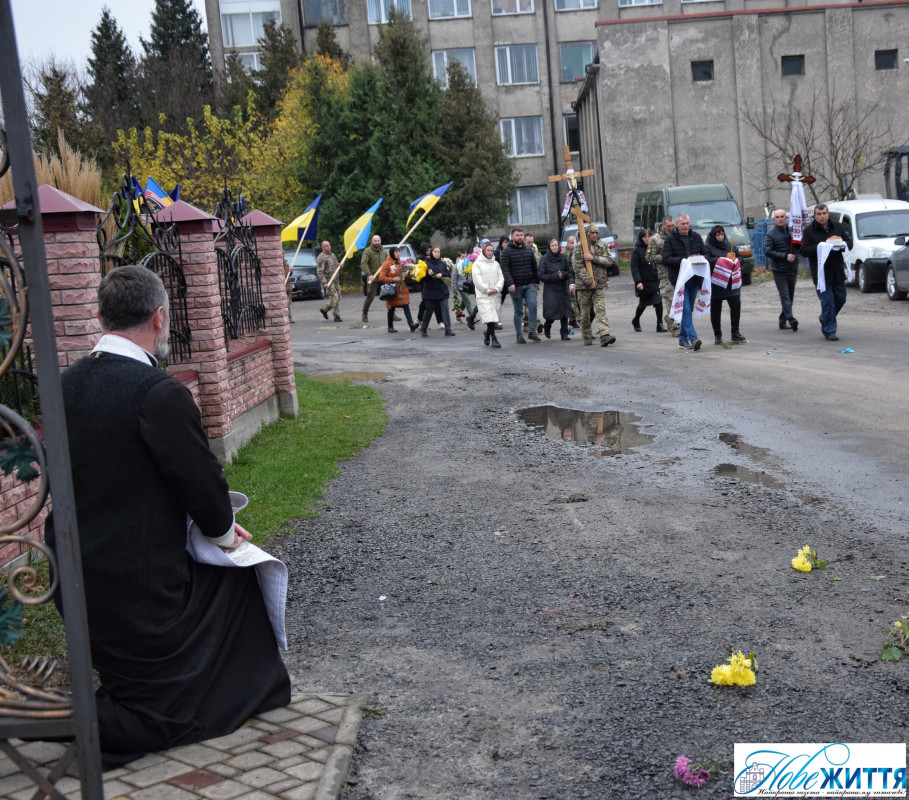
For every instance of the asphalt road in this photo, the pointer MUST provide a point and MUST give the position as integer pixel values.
(536, 619)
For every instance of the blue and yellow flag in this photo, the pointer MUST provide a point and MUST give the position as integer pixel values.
(303, 228)
(356, 237)
(153, 191)
(427, 201)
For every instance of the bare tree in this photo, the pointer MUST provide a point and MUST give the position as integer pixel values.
(839, 141)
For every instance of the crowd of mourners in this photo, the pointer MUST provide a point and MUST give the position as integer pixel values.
(675, 271)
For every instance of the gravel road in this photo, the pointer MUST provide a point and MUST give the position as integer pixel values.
(532, 620)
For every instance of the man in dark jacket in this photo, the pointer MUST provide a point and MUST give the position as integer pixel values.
(519, 267)
(830, 282)
(679, 245)
(784, 265)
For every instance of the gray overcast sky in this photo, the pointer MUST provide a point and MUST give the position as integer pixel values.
(63, 28)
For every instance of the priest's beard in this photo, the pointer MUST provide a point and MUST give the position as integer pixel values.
(162, 344)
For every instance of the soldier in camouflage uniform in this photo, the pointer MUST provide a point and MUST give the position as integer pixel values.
(655, 257)
(326, 265)
(593, 292)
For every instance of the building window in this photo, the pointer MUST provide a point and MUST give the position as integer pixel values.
(522, 136)
(572, 133)
(702, 70)
(517, 63)
(333, 11)
(512, 6)
(575, 58)
(529, 206)
(445, 9)
(574, 5)
(251, 62)
(792, 65)
(377, 10)
(885, 59)
(243, 23)
(441, 59)
(623, 3)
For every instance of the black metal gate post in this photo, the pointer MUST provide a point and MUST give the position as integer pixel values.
(82, 723)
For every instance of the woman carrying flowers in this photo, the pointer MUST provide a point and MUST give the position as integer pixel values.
(435, 291)
(392, 272)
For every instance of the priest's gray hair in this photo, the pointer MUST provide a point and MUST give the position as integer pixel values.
(128, 296)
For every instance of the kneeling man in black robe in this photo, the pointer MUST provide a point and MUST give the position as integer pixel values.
(184, 650)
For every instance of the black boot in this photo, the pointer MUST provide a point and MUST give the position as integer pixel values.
(547, 330)
(636, 323)
(494, 342)
(470, 319)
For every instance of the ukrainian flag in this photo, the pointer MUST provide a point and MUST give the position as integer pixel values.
(356, 237)
(428, 201)
(153, 191)
(303, 228)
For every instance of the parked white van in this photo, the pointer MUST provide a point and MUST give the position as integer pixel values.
(874, 225)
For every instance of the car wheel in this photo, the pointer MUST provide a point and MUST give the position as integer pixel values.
(861, 278)
(892, 292)
(746, 279)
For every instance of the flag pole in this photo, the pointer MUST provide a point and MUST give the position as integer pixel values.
(334, 275)
(407, 236)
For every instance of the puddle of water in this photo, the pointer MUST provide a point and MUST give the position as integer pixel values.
(747, 475)
(351, 377)
(610, 433)
(734, 440)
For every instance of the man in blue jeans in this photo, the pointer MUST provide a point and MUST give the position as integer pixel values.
(519, 267)
(680, 244)
(830, 283)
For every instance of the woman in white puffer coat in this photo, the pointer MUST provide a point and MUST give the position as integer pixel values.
(488, 280)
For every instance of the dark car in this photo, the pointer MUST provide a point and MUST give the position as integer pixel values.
(898, 270)
(304, 280)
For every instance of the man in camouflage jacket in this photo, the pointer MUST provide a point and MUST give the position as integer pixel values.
(370, 264)
(592, 292)
(655, 257)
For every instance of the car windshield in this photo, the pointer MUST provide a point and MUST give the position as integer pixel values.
(306, 272)
(708, 213)
(883, 224)
(305, 258)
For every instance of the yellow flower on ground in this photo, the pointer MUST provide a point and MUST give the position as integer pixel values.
(800, 562)
(737, 672)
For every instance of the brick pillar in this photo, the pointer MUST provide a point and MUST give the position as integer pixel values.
(203, 300)
(277, 316)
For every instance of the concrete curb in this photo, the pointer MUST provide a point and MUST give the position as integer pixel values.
(337, 767)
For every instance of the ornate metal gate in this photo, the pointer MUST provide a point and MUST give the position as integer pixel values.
(130, 233)
(239, 270)
(27, 707)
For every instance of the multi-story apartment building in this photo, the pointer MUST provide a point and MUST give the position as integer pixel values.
(527, 56)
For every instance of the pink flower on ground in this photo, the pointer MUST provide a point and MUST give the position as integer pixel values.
(685, 775)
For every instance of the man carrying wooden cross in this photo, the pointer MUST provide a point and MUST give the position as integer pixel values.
(591, 271)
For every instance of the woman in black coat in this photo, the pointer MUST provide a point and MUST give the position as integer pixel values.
(435, 291)
(646, 283)
(717, 246)
(557, 276)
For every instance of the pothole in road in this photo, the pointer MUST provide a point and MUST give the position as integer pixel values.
(746, 475)
(608, 433)
(734, 440)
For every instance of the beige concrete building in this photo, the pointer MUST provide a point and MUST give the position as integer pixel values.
(527, 56)
(665, 104)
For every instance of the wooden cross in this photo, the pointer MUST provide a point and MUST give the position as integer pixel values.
(579, 216)
(796, 173)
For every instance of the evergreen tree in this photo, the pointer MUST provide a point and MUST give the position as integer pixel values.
(279, 57)
(177, 80)
(111, 94)
(56, 92)
(236, 86)
(327, 44)
(483, 177)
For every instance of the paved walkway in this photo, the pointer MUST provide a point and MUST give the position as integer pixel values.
(302, 752)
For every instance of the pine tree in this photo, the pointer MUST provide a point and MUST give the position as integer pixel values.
(236, 86)
(482, 175)
(279, 56)
(177, 80)
(56, 92)
(111, 96)
(327, 44)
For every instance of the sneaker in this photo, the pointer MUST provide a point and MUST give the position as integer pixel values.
(499, 326)
(784, 325)
(414, 327)
(635, 323)
(717, 339)
(323, 312)
(533, 337)
(450, 333)
(605, 340)
(441, 326)
(794, 324)
(696, 344)
(737, 338)
(684, 343)
(521, 339)
(660, 328)
(833, 338)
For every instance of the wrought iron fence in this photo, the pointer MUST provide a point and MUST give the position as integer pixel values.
(28, 707)
(130, 233)
(239, 270)
(18, 383)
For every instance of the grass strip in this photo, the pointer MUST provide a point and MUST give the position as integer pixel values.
(285, 468)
